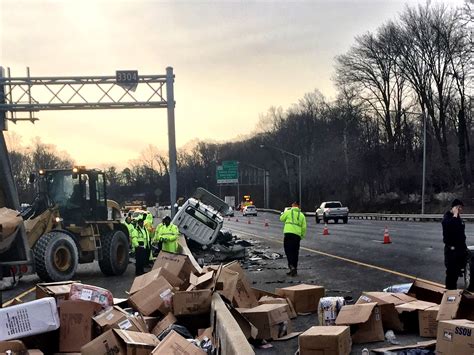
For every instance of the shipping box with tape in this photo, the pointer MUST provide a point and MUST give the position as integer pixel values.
(365, 321)
(117, 318)
(175, 344)
(305, 298)
(156, 296)
(121, 342)
(455, 337)
(271, 320)
(325, 340)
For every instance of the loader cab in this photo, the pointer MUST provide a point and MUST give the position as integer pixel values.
(79, 193)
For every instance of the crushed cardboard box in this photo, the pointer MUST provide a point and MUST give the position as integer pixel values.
(192, 302)
(59, 290)
(144, 280)
(271, 320)
(325, 340)
(174, 343)
(156, 296)
(117, 318)
(425, 345)
(305, 298)
(418, 316)
(365, 321)
(121, 342)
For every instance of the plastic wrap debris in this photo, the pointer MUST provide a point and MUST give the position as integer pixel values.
(183, 331)
(391, 338)
(328, 309)
(402, 288)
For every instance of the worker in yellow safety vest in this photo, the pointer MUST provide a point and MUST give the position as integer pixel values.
(167, 233)
(149, 223)
(128, 223)
(294, 230)
(141, 245)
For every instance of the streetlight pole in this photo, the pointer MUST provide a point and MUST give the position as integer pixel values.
(424, 165)
(299, 167)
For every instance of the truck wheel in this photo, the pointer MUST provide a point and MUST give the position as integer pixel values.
(468, 278)
(56, 256)
(317, 219)
(114, 259)
(344, 220)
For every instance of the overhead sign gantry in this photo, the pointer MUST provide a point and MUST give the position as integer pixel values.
(22, 97)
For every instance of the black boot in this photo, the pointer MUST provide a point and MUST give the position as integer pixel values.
(290, 273)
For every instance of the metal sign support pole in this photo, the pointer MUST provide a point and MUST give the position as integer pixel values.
(171, 138)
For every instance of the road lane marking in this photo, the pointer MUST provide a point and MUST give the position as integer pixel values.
(19, 297)
(349, 260)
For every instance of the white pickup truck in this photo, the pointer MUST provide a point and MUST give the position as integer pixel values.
(332, 210)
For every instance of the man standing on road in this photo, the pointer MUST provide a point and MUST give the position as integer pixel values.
(140, 245)
(455, 249)
(167, 233)
(294, 230)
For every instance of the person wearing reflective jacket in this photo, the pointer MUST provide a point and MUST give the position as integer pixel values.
(294, 230)
(140, 244)
(149, 223)
(167, 233)
(128, 223)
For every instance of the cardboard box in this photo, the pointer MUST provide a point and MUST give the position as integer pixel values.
(177, 264)
(271, 320)
(279, 300)
(248, 329)
(365, 321)
(121, 342)
(226, 283)
(412, 312)
(325, 340)
(243, 295)
(76, 324)
(164, 324)
(144, 280)
(30, 318)
(305, 298)
(156, 296)
(175, 344)
(456, 304)
(426, 291)
(387, 302)
(205, 281)
(192, 302)
(428, 325)
(455, 337)
(117, 318)
(429, 345)
(58, 290)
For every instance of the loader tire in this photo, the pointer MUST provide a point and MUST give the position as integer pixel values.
(56, 257)
(114, 259)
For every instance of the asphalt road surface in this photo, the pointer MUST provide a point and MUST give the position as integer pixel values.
(350, 260)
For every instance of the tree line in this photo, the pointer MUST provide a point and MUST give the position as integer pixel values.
(402, 88)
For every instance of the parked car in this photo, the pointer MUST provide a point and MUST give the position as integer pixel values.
(250, 210)
(332, 210)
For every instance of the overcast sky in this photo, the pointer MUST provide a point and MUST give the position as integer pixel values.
(232, 61)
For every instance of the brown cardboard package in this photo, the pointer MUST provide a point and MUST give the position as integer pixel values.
(417, 313)
(455, 337)
(144, 280)
(192, 302)
(177, 264)
(428, 345)
(243, 295)
(325, 340)
(305, 298)
(426, 291)
(226, 283)
(387, 302)
(365, 321)
(117, 318)
(250, 331)
(76, 324)
(456, 304)
(175, 344)
(58, 290)
(164, 324)
(279, 300)
(156, 296)
(121, 342)
(428, 325)
(271, 320)
(205, 281)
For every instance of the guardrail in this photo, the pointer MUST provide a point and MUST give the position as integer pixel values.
(388, 216)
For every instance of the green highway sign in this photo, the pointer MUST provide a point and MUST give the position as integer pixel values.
(228, 172)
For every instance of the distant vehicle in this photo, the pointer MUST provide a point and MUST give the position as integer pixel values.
(250, 210)
(230, 212)
(332, 210)
(137, 213)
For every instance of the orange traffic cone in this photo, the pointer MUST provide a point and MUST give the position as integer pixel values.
(386, 237)
(266, 223)
(248, 222)
(325, 230)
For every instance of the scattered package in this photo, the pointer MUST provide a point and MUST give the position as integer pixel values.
(328, 309)
(91, 293)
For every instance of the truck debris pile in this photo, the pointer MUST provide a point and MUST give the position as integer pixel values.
(179, 307)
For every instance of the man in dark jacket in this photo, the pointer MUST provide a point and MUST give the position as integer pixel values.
(455, 249)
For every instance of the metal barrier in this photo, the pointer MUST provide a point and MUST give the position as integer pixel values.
(387, 216)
